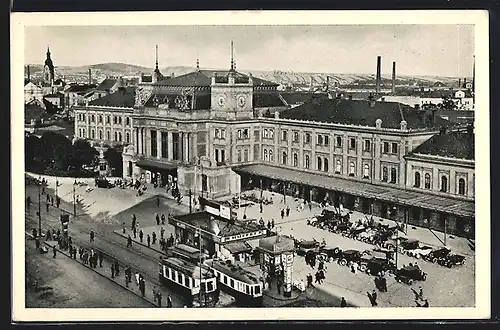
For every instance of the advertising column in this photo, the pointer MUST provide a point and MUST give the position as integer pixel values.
(287, 261)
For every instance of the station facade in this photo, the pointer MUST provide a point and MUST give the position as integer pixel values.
(210, 132)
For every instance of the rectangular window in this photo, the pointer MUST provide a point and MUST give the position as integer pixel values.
(319, 140)
(223, 156)
(368, 145)
(385, 148)
(245, 155)
(239, 134)
(127, 121)
(284, 135)
(114, 120)
(339, 142)
(216, 151)
(231, 283)
(107, 119)
(327, 140)
(352, 143)
(224, 279)
(164, 145)
(239, 155)
(154, 142)
(256, 135)
(92, 118)
(266, 135)
(245, 133)
(217, 133)
(222, 133)
(119, 120)
(100, 119)
(175, 146)
(307, 138)
(271, 134)
(295, 136)
(394, 148)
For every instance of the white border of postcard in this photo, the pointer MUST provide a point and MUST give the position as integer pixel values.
(477, 17)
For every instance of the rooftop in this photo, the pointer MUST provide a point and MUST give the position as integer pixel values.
(359, 112)
(80, 88)
(455, 144)
(123, 97)
(204, 78)
(227, 228)
(106, 84)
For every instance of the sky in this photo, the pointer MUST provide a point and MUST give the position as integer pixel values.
(437, 50)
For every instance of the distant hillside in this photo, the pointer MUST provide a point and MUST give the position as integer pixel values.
(99, 71)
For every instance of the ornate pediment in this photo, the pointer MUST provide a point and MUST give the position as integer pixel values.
(142, 95)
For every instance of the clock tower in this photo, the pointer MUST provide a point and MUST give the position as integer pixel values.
(232, 95)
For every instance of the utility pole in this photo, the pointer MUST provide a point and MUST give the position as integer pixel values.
(445, 225)
(397, 247)
(199, 243)
(39, 212)
(190, 198)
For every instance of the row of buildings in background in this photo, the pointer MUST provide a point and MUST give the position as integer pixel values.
(219, 132)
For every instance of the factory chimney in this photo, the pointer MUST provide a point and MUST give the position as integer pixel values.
(379, 58)
(28, 73)
(327, 84)
(459, 83)
(90, 76)
(393, 77)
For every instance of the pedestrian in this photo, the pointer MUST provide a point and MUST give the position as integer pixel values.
(157, 201)
(163, 219)
(129, 241)
(343, 303)
(317, 276)
(272, 223)
(58, 201)
(268, 224)
(287, 210)
(117, 268)
(37, 243)
(134, 219)
(154, 238)
(28, 202)
(260, 206)
(112, 270)
(157, 219)
(54, 251)
(426, 303)
(372, 300)
(91, 236)
(169, 301)
(135, 232)
(149, 240)
(141, 235)
(47, 207)
(310, 205)
(155, 294)
(137, 278)
(159, 298)
(421, 293)
(142, 287)
(100, 258)
(162, 232)
(52, 201)
(282, 214)
(309, 279)
(374, 296)
(278, 286)
(123, 227)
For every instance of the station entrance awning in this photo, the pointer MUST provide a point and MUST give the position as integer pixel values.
(363, 189)
(153, 165)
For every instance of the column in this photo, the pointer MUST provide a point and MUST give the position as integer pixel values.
(185, 151)
(139, 140)
(136, 138)
(169, 146)
(158, 144)
(143, 147)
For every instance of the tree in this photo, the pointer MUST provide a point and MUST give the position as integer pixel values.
(32, 154)
(448, 103)
(115, 161)
(84, 154)
(56, 151)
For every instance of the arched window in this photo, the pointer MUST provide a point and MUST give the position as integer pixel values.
(284, 158)
(265, 154)
(100, 134)
(92, 133)
(461, 186)
(108, 133)
(116, 136)
(295, 159)
(271, 156)
(427, 181)
(307, 161)
(120, 136)
(394, 175)
(352, 168)
(325, 165)
(319, 164)
(366, 171)
(385, 174)
(417, 180)
(444, 183)
(127, 137)
(338, 166)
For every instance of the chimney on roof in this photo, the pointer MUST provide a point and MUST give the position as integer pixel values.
(327, 84)
(459, 83)
(465, 83)
(90, 76)
(393, 78)
(28, 73)
(379, 60)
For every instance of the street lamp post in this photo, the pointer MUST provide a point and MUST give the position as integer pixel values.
(190, 198)
(39, 212)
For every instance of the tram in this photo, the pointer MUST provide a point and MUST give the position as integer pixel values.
(245, 286)
(184, 276)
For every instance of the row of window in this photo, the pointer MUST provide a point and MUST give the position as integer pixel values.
(118, 137)
(116, 119)
(237, 285)
(461, 189)
(187, 281)
(220, 133)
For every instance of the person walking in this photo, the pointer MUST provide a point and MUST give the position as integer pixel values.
(261, 207)
(157, 201)
(149, 240)
(141, 235)
(54, 251)
(100, 258)
(47, 207)
(343, 303)
(159, 298)
(282, 214)
(137, 278)
(135, 232)
(112, 270)
(34, 233)
(117, 268)
(124, 229)
(58, 201)
(421, 293)
(91, 236)
(373, 302)
(272, 223)
(309, 279)
(134, 220)
(28, 202)
(287, 210)
(163, 219)
(157, 219)
(162, 232)
(129, 241)
(142, 287)
(169, 301)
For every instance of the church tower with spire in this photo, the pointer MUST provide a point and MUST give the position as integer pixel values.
(157, 76)
(48, 69)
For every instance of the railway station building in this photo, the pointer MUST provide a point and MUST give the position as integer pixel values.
(218, 133)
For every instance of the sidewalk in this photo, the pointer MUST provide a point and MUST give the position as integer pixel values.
(147, 230)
